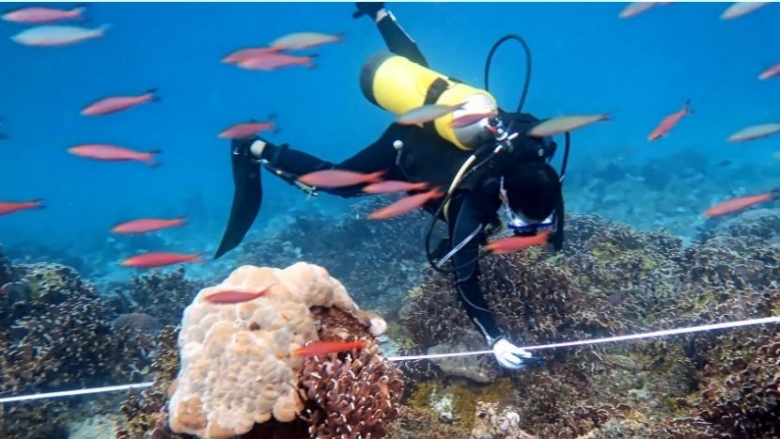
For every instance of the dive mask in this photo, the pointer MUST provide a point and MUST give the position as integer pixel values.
(520, 225)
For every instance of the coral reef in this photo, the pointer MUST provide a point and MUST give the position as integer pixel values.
(246, 349)
(56, 333)
(612, 279)
(161, 295)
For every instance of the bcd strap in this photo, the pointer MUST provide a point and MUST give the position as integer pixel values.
(438, 86)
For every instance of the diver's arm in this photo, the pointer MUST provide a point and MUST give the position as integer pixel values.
(467, 275)
(397, 41)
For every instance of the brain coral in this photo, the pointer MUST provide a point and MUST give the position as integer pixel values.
(236, 364)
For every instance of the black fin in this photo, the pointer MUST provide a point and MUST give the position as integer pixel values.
(247, 199)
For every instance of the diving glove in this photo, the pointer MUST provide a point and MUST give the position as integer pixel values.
(511, 356)
(367, 8)
(247, 194)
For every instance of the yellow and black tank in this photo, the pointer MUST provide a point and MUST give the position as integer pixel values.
(398, 85)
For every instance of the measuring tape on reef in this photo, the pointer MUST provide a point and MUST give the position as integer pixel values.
(646, 335)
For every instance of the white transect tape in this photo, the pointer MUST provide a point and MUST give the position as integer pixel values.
(646, 335)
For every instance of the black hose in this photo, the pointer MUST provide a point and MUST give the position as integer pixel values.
(527, 82)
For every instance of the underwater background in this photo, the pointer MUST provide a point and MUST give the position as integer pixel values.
(585, 60)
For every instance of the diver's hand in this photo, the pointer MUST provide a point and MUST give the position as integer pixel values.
(510, 356)
(367, 8)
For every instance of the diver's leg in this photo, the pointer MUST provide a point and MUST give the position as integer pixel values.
(379, 156)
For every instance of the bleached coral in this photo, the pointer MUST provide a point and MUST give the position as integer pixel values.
(237, 367)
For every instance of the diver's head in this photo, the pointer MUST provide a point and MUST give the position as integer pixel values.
(531, 191)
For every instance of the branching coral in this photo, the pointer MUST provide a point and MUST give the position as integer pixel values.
(350, 396)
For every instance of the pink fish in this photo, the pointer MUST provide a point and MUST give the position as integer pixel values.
(113, 153)
(7, 207)
(467, 119)
(245, 54)
(148, 225)
(231, 297)
(153, 260)
(41, 15)
(119, 103)
(333, 178)
(770, 72)
(637, 8)
(249, 129)
(275, 61)
(406, 204)
(391, 186)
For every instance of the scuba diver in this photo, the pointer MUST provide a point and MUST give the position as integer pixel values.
(485, 165)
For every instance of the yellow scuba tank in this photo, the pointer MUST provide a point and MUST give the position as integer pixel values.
(398, 85)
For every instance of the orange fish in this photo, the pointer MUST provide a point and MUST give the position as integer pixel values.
(148, 225)
(113, 153)
(405, 205)
(7, 207)
(328, 347)
(738, 204)
(274, 61)
(515, 243)
(41, 15)
(333, 178)
(391, 186)
(670, 121)
(152, 260)
(119, 103)
(231, 297)
(245, 54)
(249, 129)
(770, 72)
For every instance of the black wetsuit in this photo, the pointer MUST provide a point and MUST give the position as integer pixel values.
(426, 157)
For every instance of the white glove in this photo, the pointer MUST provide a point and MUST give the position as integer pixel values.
(509, 355)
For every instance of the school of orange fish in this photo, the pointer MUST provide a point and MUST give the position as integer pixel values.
(275, 56)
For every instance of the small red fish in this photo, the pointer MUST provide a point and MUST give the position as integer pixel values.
(406, 204)
(41, 15)
(119, 103)
(152, 260)
(670, 121)
(148, 225)
(333, 178)
(7, 207)
(274, 61)
(245, 54)
(515, 243)
(392, 186)
(231, 297)
(738, 204)
(113, 153)
(770, 72)
(249, 129)
(328, 347)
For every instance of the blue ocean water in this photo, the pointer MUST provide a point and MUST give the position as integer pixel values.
(585, 60)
